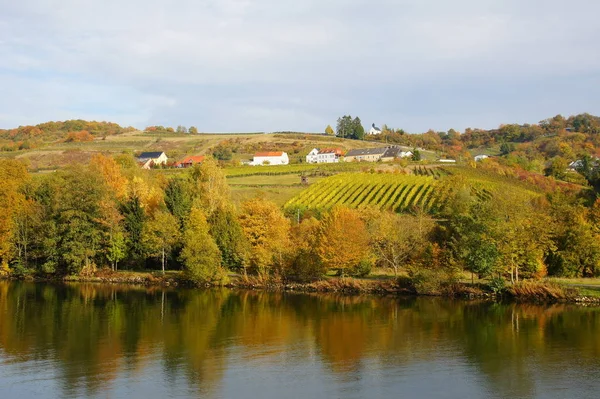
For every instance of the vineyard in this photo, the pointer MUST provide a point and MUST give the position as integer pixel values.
(383, 191)
(429, 171)
(391, 191)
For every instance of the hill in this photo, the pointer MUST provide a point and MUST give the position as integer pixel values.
(428, 189)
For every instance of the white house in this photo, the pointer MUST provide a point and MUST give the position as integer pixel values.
(447, 160)
(149, 159)
(478, 158)
(405, 154)
(270, 158)
(374, 129)
(329, 155)
(312, 156)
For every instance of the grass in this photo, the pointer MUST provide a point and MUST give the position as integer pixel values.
(279, 195)
(278, 180)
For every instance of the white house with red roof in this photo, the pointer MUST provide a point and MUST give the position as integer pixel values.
(324, 155)
(270, 158)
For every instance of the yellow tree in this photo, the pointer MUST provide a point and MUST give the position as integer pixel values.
(13, 174)
(110, 171)
(398, 239)
(306, 263)
(267, 231)
(344, 240)
(209, 185)
(160, 234)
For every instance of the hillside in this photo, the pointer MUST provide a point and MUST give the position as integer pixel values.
(231, 147)
(428, 189)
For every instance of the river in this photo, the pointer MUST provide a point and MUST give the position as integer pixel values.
(91, 340)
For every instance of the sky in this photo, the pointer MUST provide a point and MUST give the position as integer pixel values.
(298, 65)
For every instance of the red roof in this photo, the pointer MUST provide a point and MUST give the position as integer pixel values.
(269, 154)
(193, 159)
(337, 151)
(189, 161)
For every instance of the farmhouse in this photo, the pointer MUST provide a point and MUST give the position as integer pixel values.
(189, 161)
(312, 156)
(384, 154)
(478, 158)
(325, 155)
(149, 159)
(270, 158)
(374, 130)
(365, 154)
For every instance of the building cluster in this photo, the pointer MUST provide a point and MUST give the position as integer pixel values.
(148, 160)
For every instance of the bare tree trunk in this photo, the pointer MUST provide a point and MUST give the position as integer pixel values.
(163, 260)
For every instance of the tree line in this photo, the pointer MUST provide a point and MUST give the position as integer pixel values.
(110, 213)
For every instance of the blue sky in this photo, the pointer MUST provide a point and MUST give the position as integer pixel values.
(268, 65)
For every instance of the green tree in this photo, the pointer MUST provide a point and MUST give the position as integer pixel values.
(222, 153)
(134, 219)
(178, 199)
(227, 232)
(200, 255)
(77, 199)
(350, 128)
(416, 156)
(193, 130)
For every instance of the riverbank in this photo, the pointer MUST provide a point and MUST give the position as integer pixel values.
(544, 291)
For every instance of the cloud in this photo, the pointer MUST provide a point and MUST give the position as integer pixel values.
(239, 65)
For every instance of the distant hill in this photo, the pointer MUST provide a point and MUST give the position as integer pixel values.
(25, 137)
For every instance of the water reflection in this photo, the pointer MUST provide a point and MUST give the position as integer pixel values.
(113, 341)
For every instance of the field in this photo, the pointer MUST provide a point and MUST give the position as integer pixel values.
(397, 192)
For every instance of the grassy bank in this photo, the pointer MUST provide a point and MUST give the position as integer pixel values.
(545, 291)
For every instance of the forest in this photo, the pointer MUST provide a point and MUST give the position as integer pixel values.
(111, 214)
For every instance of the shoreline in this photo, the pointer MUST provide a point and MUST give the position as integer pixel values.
(542, 293)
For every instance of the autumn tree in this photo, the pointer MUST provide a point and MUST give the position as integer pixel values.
(211, 193)
(200, 254)
(343, 240)
(329, 130)
(193, 130)
(13, 175)
(398, 239)
(160, 234)
(306, 263)
(267, 231)
(110, 171)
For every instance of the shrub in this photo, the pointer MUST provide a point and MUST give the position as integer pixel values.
(497, 285)
(363, 268)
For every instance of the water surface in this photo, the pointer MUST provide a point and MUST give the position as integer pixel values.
(110, 341)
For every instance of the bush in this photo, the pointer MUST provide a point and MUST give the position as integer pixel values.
(363, 268)
(497, 285)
